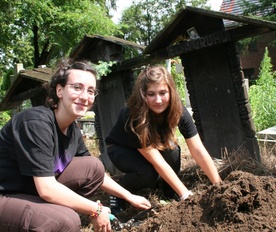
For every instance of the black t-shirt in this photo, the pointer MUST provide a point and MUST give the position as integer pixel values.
(122, 135)
(31, 144)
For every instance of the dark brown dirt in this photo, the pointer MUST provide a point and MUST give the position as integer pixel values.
(244, 201)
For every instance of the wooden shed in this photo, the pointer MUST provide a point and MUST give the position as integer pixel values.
(26, 84)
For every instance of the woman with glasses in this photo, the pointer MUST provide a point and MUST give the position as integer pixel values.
(142, 144)
(46, 172)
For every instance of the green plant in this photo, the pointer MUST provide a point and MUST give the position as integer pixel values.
(179, 79)
(104, 67)
(6, 82)
(262, 96)
(4, 117)
(4, 85)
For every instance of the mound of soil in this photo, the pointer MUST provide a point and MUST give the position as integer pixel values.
(245, 200)
(242, 202)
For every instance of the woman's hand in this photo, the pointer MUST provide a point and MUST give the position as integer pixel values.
(113, 188)
(139, 202)
(186, 195)
(102, 222)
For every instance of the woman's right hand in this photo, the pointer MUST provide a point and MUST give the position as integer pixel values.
(139, 202)
(102, 222)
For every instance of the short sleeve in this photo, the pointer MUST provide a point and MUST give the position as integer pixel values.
(186, 124)
(34, 146)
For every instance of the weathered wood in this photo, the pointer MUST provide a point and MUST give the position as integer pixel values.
(210, 40)
(34, 92)
(249, 141)
(195, 17)
(213, 99)
(236, 18)
(115, 89)
(105, 48)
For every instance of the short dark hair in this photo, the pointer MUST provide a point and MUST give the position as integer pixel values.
(61, 76)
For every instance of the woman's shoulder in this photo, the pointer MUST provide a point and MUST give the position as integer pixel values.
(124, 111)
(41, 113)
(186, 124)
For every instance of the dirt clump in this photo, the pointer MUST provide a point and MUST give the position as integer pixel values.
(242, 202)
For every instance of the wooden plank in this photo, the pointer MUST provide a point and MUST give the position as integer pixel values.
(213, 99)
(237, 18)
(27, 94)
(188, 46)
(267, 135)
(110, 100)
(196, 17)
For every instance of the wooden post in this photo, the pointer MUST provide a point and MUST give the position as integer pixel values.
(219, 100)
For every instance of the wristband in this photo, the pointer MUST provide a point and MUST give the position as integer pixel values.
(98, 210)
(186, 195)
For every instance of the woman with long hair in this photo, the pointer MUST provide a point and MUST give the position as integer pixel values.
(143, 145)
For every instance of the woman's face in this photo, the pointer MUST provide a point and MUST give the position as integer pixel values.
(77, 96)
(158, 97)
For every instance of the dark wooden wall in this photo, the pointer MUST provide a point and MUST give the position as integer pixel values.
(215, 96)
(114, 89)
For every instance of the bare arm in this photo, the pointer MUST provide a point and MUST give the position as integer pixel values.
(203, 159)
(54, 192)
(164, 169)
(112, 187)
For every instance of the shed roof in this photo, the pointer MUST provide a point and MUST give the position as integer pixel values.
(23, 87)
(90, 41)
(189, 17)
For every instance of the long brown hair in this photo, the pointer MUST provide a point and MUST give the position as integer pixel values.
(144, 123)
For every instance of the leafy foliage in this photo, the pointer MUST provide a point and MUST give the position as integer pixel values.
(7, 80)
(33, 31)
(265, 9)
(179, 79)
(144, 19)
(37, 32)
(262, 96)
(4, 116)
(103, 68)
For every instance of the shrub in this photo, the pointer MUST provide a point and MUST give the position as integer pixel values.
(262, 96)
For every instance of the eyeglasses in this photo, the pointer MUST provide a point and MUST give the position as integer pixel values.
(79, 88)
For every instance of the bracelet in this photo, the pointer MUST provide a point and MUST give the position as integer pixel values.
(98, 210)
(186, 195)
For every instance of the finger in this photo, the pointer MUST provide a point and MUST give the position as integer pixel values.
(109, 227)
(146, 204)
(99, 229)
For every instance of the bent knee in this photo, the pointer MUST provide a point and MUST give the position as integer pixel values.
(56, 218)
(148, 176)
(70, 222)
